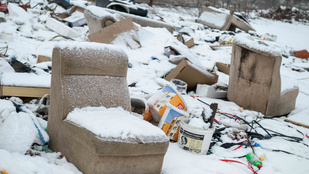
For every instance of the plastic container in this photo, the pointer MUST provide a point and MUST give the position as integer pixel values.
(254, 160)
(159, 100)
(194, 139)
(181, 86)
(170, 121)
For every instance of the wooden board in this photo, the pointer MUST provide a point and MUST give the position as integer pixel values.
(18, 91)
(296, 123)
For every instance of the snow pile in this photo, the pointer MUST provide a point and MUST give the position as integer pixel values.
(45, 163)
(100, 12)
(5, 67)
(18, 131)
(26, 80)
(248, 41)
(217, 19)
(88, 45)
(116, 124)
(199, 123)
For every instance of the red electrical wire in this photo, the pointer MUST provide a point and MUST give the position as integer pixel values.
(307, 135)
(229, 114)
(241, 145)
(234, 161)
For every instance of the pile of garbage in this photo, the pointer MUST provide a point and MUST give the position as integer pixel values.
(286, 14)
(173, 81)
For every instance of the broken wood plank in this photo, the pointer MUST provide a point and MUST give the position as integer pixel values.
(18, 91)
(296, 123)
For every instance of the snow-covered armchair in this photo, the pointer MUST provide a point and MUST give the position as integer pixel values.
(94, 75)
(255, 81)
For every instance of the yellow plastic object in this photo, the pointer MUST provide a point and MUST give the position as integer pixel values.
(3, 172)
(262, 158)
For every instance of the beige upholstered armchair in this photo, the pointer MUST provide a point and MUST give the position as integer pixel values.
(255, 81)
(93, 74)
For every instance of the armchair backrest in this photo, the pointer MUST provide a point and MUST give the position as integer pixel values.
(254, 81)
(88, 74)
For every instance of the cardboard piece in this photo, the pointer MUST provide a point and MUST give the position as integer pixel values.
(222, 67)
(192, 75)
(110, 33)
(189, 43)
(18, 91)
(187, 40)
(43, 59)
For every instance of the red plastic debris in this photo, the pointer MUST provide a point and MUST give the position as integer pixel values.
(234, 161)
(4, 7)
(304, 54)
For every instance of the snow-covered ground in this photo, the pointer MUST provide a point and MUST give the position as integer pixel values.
(27, 36)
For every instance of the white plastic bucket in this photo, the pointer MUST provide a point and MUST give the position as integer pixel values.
(181, 86)
(194, 139)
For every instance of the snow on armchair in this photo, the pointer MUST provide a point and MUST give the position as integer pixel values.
(255, 81)
(94, 75)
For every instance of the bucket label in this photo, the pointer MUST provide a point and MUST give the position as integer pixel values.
(180, 106)
(170, 123)
(190, 141)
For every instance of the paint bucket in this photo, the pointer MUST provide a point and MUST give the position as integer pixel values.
(170, 121)
(157, 103)
(181, 86)
(194, 139)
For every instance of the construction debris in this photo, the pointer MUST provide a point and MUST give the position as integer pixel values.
(123, 6)
(61, 28)
(223, 19)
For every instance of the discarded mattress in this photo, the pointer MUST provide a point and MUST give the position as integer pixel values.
(223, 19)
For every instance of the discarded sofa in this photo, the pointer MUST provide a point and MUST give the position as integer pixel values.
(223, 19)
(86, 74)
(255, 81)
(143, 21)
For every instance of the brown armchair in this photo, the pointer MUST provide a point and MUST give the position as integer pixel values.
(255, 81)
(93, 74)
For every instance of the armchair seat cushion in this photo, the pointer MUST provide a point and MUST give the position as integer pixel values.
(116, 125)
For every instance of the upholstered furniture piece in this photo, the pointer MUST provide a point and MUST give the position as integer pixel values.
(98, 18)
(255, 81)
(94, 74)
